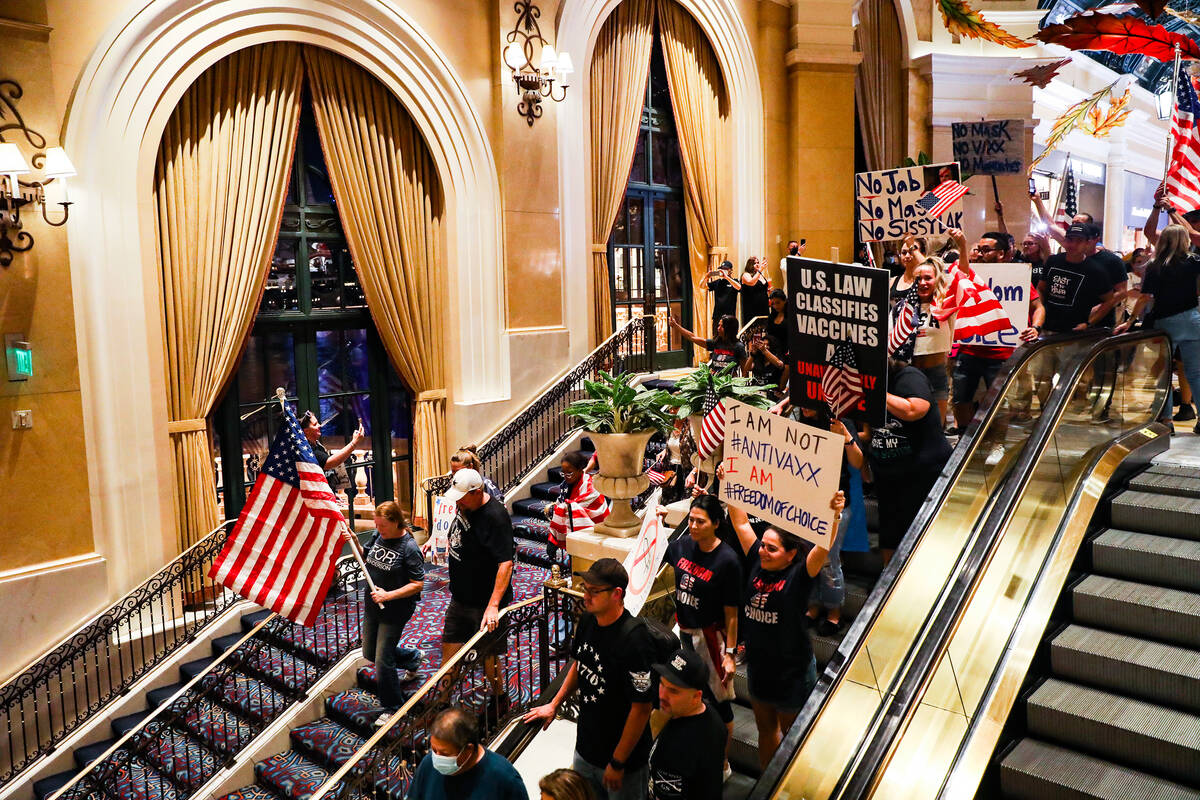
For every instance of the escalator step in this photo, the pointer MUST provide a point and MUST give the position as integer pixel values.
(1180, 470)
(1159, 740)
(1038, 770)
(1157, 513)
(743, 747)
(1169, 615)
(1148, 670)
(1161, 560)
(1159, 483)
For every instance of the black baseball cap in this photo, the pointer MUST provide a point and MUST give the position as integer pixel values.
(684, 668)
(606, 572)
(1080, 230)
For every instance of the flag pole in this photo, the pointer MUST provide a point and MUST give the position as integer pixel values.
(1170, 129)
(1062, 186)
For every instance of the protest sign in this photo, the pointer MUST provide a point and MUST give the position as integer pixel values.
(837, 314)
(990, 147)
(782, 471)
(444, 512)
(1011, 284)
(886, 202)
(644, 559)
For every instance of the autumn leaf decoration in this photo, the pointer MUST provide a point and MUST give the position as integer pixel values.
(1120, 35)
(1071, 118)
(962, 20)
(1041, 75)
(1102, 124)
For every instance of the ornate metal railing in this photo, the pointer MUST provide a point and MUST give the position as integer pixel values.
(41, 705)
(267, 648)
(541, 428)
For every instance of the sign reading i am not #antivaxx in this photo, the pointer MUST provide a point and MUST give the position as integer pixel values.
(782, 471)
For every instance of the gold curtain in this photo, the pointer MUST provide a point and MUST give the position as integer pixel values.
(219, 185)
(391, 206)
(700, 103)
(620, 67)
(880, 84)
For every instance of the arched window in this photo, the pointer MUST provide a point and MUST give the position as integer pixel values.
(314, 337)
(647, 249)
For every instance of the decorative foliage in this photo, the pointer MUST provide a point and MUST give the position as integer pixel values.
(1152, 8)
(688, 395)
(1070, 118)
(922, 159)
(1041, 75)
(1120, 35)
(1186, 16)
(1101, 125)
(614, 405)
(962, 20)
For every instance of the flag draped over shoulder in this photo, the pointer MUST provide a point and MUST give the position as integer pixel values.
(979, 311)
(581, 509)
(281, 552)
(906, 315)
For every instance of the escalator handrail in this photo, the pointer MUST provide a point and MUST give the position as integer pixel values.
(830, 677)
(933, 637)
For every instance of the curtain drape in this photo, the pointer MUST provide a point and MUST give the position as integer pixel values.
(620, 68)
(880, 84)
(700, 104)
(390, 201)
(219, 186)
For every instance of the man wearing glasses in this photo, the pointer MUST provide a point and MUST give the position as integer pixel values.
(611, 660)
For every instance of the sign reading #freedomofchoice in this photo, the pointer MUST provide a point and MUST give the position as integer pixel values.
(782, 471)
(990, 147)
(886, 202)
(1011, 283)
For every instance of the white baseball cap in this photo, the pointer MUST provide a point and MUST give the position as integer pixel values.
(465, 480)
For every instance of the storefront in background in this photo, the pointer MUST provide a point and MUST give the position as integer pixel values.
(1139, 201)
(1089, 182)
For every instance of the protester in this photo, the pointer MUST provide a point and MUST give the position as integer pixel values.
(777, 320)
(459, 767)
(481, 562)
(794, 249)
(724, 289)
(911, 256)
(565, 784)
(467, 457)
(333, 464)
(755, 288)
(610, 667)
(780, 666)
(767, 366)
(1035, 249)
(1170, 283)
(1114, 269)
(685, 761)
(725, 347)
(675, 460)
(397, 568)
(1075, 291)
(931, 351)
(579, 507)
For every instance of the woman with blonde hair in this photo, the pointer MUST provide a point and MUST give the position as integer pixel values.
(467, 457)
(931, 353)
(565, 784)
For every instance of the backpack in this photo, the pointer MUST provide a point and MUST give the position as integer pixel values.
(663, 643)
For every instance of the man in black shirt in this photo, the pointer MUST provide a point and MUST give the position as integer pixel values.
(1076, 292)
(1114, 269)
(611, 659)
(686, 759)
(1035, 249)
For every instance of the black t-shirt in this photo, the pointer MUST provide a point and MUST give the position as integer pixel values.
(774, 604)
(754, 301)
(1071, 290)
(1173, 288)
(321, 453)
(614, 673)
(928, 448)
(1036, 268)
(705, 583)
(725, 297)
(687, 758)
(1114, 268)
(724, 354)
(393, 563)
(779, 332)
(480, 541)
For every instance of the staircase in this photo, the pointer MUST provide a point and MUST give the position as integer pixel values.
(1115, 710)
(531, 530)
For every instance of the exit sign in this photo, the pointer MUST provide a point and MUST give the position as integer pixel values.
(19, 355)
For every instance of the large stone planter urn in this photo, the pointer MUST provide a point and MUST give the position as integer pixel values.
(708, 465)
(621, 478)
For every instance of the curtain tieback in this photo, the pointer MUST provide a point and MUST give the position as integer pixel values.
(718, 250)
(431, 394)
(176, 426)
(600, 248)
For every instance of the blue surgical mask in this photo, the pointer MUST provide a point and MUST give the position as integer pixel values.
(447, 765)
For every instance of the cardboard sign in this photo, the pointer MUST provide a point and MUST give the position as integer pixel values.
(444, 512)
(990, 147)
(886, 202)
(1011, 284)
(782, 471)
(644, 559)
(830, 305)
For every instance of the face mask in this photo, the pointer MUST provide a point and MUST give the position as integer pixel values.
(447, 765)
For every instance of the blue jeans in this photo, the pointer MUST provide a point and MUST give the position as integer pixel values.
(633, 787)
(829, 589)
(381, 646)
(1184, 330)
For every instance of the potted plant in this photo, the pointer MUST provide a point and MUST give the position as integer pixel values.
(620, 418)
(691, 391)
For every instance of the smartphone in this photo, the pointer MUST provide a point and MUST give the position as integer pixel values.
(1032, 186)
(803, 242)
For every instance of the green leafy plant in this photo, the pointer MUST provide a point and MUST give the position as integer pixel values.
(616, 406)
(688, 395)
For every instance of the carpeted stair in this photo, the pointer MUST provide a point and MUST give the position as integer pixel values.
(530, 526)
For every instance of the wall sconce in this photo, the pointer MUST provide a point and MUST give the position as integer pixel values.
(534, 79)
(15, 193)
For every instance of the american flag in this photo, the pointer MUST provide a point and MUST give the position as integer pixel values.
(842, 384)
(946, 194)
(712, 427)
(656, 478)
(903, 335)
(978, 310)
(1183, 176)
(282, 549)
(1068, 208)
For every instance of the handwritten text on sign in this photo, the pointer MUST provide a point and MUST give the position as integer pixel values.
(1011, 284)
(444, 512)
(886, 202)
(782, 471)
(990, 147)
(644, 559)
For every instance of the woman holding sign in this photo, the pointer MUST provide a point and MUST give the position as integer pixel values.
(779, 660)
(931, 351)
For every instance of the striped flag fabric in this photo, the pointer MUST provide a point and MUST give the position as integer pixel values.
(842, 384)
(944, 195)
(579, 508)
(712, 427)
(1183, 176)
(282, 550)
(902, 337)
(1069, 205)
(978, 310)
(656, 477)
